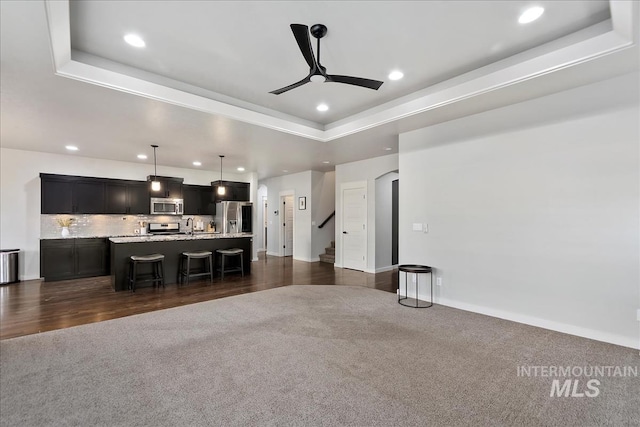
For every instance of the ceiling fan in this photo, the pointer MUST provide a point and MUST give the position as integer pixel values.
(318, 73)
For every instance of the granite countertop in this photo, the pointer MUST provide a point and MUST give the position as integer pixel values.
(173, 237)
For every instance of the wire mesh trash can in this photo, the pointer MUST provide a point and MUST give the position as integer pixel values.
(8, 266)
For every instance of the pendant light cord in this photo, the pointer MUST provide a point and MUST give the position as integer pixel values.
(155, 167)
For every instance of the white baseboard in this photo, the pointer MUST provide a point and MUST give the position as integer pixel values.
(262, 250)
(273, 253)
(543, 323)
(387, 268)
(307, 259)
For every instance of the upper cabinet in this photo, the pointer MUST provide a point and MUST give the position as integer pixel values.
(127, 197)
(68, 195)
(169, 187)
(234, 191)
(198, 200)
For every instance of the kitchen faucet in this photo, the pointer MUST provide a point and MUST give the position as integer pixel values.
(190, 232)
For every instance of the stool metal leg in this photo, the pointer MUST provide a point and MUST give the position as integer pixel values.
(210, 268)
(188, 269)
(242, 264)
(162, 268)
(133, 281)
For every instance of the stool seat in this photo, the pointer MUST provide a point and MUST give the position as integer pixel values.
(147, 258)
(233, 252)
(157, 270)
(197, 254)
(184, 269)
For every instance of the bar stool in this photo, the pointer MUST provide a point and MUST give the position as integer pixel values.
(186, 257)
(157, 270)
(235, 252)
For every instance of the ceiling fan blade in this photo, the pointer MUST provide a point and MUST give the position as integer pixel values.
(356, 81)
(293, 86)
(301, 33)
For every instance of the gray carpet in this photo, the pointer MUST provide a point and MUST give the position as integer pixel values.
(306, 355)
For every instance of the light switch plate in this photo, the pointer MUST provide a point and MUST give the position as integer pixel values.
(417, 226)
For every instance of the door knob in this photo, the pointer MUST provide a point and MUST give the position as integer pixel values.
(344, 232)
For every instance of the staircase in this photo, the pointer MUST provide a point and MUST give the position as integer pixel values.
(329, 255)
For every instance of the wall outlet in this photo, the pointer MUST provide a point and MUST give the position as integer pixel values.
(438, 281)
(136, 231)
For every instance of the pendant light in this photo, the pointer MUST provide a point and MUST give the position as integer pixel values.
(221, 189)
(155, 184)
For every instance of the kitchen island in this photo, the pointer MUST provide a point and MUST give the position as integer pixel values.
(171, 246)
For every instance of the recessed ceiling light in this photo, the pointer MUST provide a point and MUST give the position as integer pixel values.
(284, 170)
(134, 40)
(197, 164)
(396, 75)
(322, 107)
(387, 149)
(326, 162)
(71, 147)
(142, 156)
(531, 14)
(240, 169)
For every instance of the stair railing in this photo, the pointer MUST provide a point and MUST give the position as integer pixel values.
(327, 220)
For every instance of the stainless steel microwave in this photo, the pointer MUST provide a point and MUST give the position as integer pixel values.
(162, 206)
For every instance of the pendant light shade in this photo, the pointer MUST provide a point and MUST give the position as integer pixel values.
(221, 188)
(155, 184)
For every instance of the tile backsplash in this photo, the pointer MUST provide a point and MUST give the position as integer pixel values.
(109, 225)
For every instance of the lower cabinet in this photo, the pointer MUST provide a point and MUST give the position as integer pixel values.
(62, 259)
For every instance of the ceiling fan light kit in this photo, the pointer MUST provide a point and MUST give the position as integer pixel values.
(318, 73)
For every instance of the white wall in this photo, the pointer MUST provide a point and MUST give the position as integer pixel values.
(259, 228)
(364, 170)
(323, 203)
(300, 185)
(308, 241)
(20, 193)
(384, 204)
(533, 210)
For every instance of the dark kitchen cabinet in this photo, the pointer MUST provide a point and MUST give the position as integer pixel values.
(88, 197)
(62, 194)
(56, 196)
(123, 197)
(91, 257)
(169, 187)
(198, 200)
(62, 259)
(235, 191)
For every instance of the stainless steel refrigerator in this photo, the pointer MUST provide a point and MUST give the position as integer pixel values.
(234, 217)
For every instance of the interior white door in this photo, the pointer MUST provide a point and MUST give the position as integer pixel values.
(287, 224)
(354, 228)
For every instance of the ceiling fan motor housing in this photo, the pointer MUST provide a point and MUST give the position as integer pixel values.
(318, 31)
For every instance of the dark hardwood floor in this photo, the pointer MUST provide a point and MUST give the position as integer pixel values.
(35, 306)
